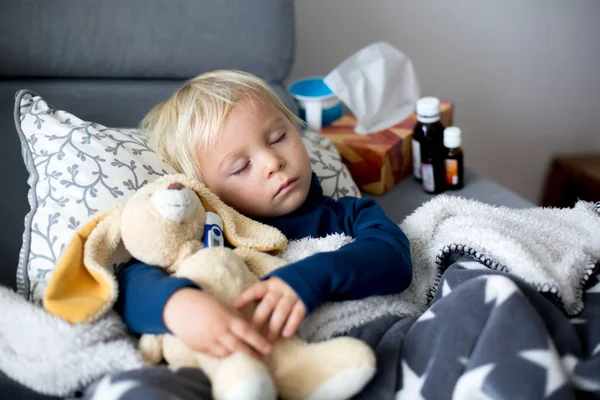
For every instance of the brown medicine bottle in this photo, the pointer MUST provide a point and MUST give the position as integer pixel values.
(454, 160)
(428, 146)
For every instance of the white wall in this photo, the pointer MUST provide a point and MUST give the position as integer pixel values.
(524, 74)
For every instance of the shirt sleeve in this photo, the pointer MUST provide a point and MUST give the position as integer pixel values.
(143, 293)
(378, 262)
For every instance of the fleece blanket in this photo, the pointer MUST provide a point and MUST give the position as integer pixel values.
(549, 253)
(54, 357)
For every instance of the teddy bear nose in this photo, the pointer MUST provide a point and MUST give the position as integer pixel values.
(175, 186)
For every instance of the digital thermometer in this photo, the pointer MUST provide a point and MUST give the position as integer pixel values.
(213, 231)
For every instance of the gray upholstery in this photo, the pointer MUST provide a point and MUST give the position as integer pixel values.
(145, 38)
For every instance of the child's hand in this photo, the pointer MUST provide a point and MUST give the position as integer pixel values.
(208, 326)
(277, 300)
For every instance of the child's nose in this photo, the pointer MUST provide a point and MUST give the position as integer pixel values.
(274, 164)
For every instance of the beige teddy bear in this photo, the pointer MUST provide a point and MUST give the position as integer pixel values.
(162, 224)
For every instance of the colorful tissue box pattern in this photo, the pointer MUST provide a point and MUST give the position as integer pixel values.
(379, 160)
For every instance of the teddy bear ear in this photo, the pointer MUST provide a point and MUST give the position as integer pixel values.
(240, 230)
(81, 288)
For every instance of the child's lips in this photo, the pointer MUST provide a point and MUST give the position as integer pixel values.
(286, 187)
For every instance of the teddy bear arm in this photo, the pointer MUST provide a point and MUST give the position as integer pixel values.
(219, 271)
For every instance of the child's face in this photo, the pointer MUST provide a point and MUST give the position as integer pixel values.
(259, 165)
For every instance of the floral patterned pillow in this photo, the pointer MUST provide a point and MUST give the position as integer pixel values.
(327, 164)
(78, 168)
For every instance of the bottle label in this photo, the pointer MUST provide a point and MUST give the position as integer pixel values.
(416, 155)
(428, 178)
(452, 172)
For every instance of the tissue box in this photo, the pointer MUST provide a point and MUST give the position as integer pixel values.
(379, 160)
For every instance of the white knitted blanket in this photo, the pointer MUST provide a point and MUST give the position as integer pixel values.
(554, 250)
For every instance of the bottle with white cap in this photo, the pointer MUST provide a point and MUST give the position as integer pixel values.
(428, 146)
(454, 160)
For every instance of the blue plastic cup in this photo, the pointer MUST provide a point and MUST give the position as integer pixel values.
(318, 106)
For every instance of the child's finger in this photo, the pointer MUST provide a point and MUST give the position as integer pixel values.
(254, 292)
(234, 344)
(248, 334)
(279, 316)
(229, 341)
(265, 308)
(218, 350)
(294, 320)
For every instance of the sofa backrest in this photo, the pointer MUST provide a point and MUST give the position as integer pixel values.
(154, 39)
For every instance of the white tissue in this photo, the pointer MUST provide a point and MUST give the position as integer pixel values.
(378, 84)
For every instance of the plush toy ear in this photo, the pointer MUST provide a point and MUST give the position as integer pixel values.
(82, 288)
(240, 230)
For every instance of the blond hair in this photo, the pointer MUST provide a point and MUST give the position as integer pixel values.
(194, 116)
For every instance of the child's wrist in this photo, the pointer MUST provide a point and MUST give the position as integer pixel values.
(175, 305)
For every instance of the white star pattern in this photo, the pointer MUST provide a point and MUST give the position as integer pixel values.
(549, 360)
(596, 350)
(470, 384)
(411, 384)
(446, 289)
(174, 368)
(499, 288)
(570, 362)
(106, 390)
(427, 315)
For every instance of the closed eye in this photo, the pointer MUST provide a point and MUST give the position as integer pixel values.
(279, 139)
(242, 169)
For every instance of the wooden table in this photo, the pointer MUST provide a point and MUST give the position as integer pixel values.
(572, 177)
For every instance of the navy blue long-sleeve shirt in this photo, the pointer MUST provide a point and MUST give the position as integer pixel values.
(377, 263)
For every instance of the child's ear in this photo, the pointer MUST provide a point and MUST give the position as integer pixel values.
(240, 230)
